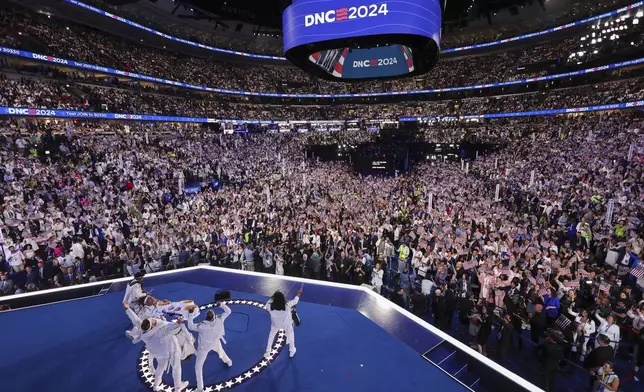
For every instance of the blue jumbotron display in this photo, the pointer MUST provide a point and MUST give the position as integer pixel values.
(363, 39)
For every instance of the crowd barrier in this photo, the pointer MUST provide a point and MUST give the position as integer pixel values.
(148, 78)
(55, 113)
(451, 50)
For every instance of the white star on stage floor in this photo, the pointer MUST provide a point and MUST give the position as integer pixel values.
(263, 363)
(208, 389)
(219, 387)
(273, 352)
(229, 384)
(248, 374)
(256, 369)
(239, 379)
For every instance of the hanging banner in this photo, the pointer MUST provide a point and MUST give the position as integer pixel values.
(430, 202)
(497, 192)
(531, 179)
(631, 151)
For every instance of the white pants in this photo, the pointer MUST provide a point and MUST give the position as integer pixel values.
(377, 288)
(174, 360)
(290, 339)
(202, 354)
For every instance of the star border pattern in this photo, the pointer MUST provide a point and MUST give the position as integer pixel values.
(146, 372)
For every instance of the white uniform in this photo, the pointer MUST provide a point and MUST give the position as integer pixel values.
(210, 336)
(133, 291)
(161, 342)
(184, 337)
(282, 319)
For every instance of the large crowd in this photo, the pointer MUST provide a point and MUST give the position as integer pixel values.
(36, 32)
(112, 204)
(16, 91)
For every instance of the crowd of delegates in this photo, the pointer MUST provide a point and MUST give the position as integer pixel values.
(36, 32)
(43, 93)
(105, 204)
(452, 38)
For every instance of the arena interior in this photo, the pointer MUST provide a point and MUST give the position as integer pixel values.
(456, 194)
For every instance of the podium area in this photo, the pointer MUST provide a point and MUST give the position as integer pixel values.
(349, 340)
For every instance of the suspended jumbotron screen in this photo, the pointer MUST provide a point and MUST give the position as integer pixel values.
(363, 39)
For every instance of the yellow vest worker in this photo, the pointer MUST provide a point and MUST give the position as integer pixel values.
(403, 252)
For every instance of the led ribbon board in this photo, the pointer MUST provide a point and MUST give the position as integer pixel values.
(363, 39)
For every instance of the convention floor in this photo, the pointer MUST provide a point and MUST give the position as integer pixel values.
(80, 346)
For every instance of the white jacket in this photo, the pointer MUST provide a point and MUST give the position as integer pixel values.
(209, 331)
(133, 291)
(588, 326)
(160, 340)
(282, 319)
(612, 331)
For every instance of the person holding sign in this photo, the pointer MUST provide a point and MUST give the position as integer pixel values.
(281, 318)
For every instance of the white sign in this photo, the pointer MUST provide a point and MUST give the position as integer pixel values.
(609, 212)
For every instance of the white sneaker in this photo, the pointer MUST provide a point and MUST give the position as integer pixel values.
(267, 355)
(229, 363)
(155, 388)
(129, 335)
(291, 354)
(181, 386)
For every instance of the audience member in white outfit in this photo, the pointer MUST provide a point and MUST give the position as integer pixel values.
(609, 328)
(160, 339)
(211, 332)
(376, 278)
(281, 318)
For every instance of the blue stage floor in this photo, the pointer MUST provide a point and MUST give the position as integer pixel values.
(80, 346)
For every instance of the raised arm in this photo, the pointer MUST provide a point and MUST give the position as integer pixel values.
(130, 313)
(226, 310)
(191, 324)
